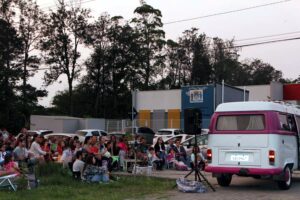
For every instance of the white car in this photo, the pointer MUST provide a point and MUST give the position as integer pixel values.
(60, 135)
(90, 132)
(181, 137)
(202, 141)
(167, 133)
(39, 132)
(36, 132)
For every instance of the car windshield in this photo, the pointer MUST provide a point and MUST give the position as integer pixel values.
(46, 132)
(240, 122)
(164, 132)
(81, 133)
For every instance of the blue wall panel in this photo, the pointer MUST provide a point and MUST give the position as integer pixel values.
(201, 97)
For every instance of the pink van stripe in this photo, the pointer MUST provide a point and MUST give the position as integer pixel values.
(236, 170)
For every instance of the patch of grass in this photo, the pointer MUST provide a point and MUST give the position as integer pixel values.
(56, 183)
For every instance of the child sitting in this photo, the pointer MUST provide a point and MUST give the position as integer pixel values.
(171, 157)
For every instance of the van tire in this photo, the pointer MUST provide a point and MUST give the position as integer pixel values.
(224, 180)
(286, 184)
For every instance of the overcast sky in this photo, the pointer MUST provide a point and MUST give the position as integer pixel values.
(262, 21)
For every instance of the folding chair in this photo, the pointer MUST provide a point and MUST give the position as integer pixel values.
(6, 181)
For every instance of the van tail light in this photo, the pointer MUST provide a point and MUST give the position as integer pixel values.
(271, 157)
(209, 155)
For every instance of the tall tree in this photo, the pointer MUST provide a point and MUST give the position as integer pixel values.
(110, 68)
(187, 43)
(10, 70)
(224, 60)
(65, 30)
(148, 26)
(201, 69)
(29, 30)
(97, 68)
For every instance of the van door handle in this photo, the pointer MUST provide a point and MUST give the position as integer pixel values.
(282, 141)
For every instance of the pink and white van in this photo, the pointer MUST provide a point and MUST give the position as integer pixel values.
(258, 139)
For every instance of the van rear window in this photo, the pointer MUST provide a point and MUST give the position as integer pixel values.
(240, 122)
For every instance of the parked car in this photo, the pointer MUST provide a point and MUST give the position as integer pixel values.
(167, 133)
(90, 132)
(39, 132)
(60, 135)
(36, 132)
(181, 137)
(202, 141)
(145, 132)
(117, 134)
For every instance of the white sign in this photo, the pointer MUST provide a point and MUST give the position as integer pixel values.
(196, 96)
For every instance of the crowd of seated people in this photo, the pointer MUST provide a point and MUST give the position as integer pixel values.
(94, 159)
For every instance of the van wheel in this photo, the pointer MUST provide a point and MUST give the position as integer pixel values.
(224, 180)
(287, 182)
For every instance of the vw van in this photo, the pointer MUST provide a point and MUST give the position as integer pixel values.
(254, 139)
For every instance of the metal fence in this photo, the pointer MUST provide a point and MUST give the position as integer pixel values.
(114, 125)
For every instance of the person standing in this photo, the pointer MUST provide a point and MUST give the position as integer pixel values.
(36, 149)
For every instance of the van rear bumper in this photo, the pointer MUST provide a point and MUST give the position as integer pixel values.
(243, 170)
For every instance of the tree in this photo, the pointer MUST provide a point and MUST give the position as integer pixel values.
(64, 31)
(29, 30)
(224, 61)
(97, 68)
(109, 69)
(201, 69)
(7, 10)
(148, 26)
(10, 72)
(261, 73)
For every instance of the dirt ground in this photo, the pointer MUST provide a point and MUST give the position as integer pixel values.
(241, 188)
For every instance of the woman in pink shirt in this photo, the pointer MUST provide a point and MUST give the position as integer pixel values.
(9, 166)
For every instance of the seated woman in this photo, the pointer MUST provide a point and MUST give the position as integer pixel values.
(9, 166)
(142, 150)
(93, 173)
(154, 159)
(160, 149)
(200, 158)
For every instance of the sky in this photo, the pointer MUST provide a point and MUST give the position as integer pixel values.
(262, 21)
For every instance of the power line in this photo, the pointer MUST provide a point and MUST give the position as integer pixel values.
(266, 42)
(68, 2)
(226, 12)
(235, 46)
(267, 36)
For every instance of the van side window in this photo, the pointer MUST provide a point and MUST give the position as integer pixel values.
(292, 123)
(287, 122)
(283, 122)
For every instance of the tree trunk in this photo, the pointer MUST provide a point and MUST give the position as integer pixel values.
(25, 113)
(71, 103)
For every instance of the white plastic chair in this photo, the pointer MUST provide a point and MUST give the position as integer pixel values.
(6, 181)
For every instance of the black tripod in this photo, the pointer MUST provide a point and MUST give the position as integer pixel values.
(196, 170)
